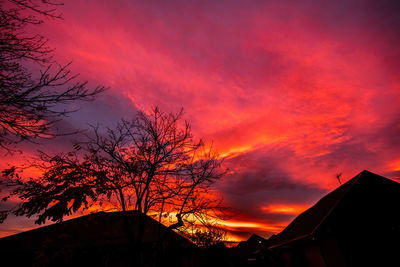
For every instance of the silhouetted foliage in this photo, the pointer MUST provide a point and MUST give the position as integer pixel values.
(207, 236)
(32, 84)
(151, 164)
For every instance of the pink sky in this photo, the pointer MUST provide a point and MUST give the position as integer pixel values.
(291, 92)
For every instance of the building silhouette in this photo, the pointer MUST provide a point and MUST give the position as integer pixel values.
(358, 224)
(99, 239)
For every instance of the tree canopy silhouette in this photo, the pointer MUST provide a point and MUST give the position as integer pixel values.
(33, 87)
(150, 164)
(207, 236)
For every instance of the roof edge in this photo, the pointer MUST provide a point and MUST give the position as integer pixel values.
(289, 242)
(352, 181)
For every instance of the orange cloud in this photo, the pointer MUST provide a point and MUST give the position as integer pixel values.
(285, 208)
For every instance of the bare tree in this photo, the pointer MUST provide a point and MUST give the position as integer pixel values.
(208, 235)
(33, 87)
(151, 164)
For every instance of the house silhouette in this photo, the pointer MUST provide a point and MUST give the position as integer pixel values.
(252, 252)
(99, 239)
(358, 224)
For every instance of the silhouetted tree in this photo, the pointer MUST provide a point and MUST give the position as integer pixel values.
(151, 164)
(208, 235)
(32, 85)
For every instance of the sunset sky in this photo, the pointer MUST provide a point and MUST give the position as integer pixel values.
(290, 92)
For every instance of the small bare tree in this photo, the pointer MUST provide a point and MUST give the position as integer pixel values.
(208, 235)
(33, 87)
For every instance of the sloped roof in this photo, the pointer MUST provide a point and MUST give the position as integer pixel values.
(97, 229)
(308, 222)
(252, 246)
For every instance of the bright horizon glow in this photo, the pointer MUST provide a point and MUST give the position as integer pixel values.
(285, 209)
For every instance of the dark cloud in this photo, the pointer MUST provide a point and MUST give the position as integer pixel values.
(256, 179)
